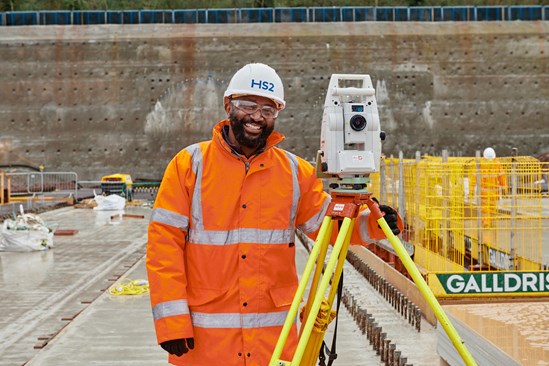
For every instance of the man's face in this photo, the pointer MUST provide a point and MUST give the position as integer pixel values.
(251, 130)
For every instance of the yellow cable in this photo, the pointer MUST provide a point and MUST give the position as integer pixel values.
(127, 286)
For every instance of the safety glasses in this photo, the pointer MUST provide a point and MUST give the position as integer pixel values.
(248, 107)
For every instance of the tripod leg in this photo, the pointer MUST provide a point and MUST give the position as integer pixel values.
(340, 263)
(325, 314)
(425, 290)
(319, 269)
(321, 241)
(303, 345)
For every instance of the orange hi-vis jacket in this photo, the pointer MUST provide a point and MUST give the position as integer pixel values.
(492, 182)
(221, 254)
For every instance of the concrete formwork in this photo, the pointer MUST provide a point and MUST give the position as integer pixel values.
(108, 98)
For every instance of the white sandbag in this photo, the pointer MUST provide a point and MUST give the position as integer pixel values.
(112, 202)
(24, 234)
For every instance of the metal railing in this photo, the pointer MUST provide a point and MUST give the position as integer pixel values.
(278, 15)
(39, 183)
(65, 184)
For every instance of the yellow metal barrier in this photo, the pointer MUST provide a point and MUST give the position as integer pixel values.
(5, 185)
(468, 213)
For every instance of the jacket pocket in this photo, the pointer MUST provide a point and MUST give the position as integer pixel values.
(202, 296)
(283, 296)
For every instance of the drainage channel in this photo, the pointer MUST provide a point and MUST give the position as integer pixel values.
(392, 324)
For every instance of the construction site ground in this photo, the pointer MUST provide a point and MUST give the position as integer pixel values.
(56, 308)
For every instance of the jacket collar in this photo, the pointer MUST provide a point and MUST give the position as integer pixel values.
(217, 135)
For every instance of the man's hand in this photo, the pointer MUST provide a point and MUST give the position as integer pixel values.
(178, 346)
(390, 215)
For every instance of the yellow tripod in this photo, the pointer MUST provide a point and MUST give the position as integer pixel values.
(317, 312)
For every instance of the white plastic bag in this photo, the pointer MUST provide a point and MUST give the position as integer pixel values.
(112, 202)
(26, 233)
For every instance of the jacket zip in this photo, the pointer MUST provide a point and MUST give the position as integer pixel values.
(246, 163)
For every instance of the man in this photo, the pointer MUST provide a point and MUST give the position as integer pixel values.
(493, 183)
(220, 255)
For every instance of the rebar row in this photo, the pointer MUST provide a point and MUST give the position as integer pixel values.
(377, 338)
(406, 308)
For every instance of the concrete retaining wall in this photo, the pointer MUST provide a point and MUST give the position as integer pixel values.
(104, 99)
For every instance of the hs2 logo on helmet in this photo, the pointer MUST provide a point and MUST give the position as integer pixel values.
(265, 85)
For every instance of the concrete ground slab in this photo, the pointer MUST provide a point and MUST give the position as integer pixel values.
(114, 330)
(41, 292)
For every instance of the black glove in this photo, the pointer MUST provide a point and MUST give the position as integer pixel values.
(178, 346)
(390, 216)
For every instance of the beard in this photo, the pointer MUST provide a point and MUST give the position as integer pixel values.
(254, 142)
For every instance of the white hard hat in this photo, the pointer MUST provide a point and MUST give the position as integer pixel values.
(489, 153)
(257, 79)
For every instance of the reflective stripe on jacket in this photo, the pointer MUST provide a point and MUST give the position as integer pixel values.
(221, 254)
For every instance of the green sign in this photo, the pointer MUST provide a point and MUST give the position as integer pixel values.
(494, 282)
